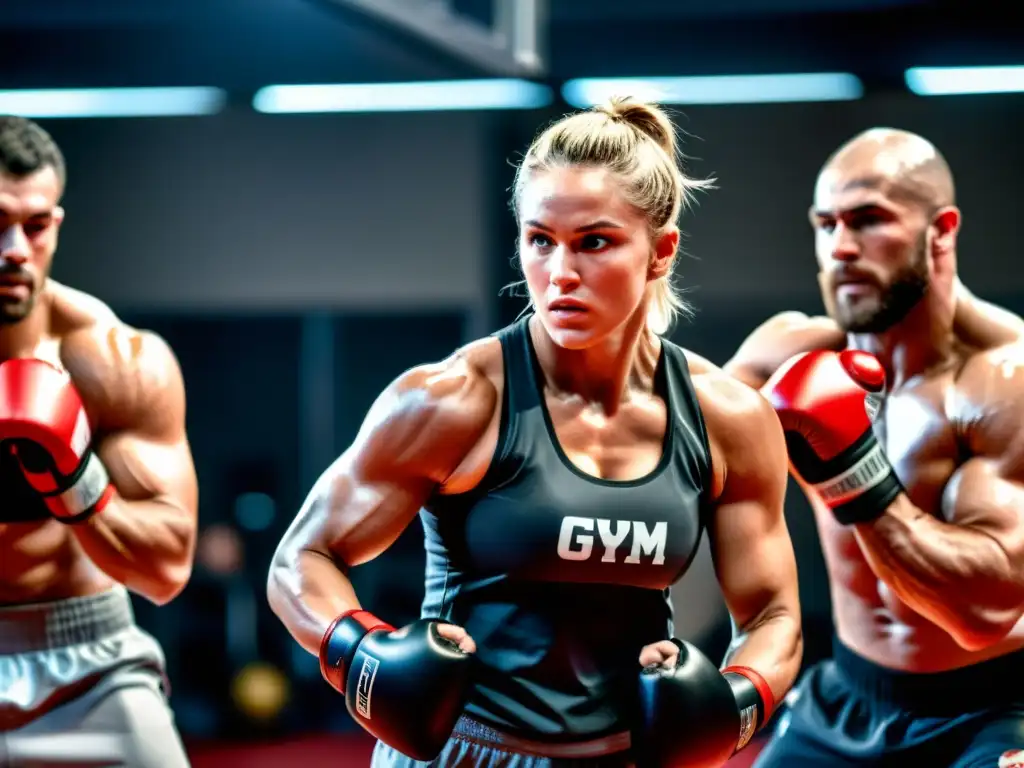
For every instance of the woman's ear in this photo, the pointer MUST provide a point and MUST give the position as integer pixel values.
(665, 248)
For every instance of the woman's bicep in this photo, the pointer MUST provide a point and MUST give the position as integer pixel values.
(413, 437)
(750, 542)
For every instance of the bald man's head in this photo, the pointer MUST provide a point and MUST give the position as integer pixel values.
(885, 227)
(901, 164)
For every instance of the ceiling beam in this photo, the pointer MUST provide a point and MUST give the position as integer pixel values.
(509, 49)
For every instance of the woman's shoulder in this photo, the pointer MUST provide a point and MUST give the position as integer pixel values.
(482, 357)
(726, 403)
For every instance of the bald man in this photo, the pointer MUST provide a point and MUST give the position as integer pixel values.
(920, 511)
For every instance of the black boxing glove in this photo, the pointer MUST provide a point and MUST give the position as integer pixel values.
(406, 687)
(695, 716)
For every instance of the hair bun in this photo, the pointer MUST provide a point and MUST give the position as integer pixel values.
(650, 119)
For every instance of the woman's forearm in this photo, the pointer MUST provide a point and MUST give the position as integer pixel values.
(308, 591)
(773, 648)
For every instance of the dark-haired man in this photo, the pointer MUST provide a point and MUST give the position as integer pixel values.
(97, 497)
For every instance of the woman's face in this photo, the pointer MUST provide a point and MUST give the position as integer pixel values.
(586, 254)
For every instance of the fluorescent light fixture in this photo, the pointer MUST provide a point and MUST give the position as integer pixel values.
(403, 97)
(113, 102)
(717, 89)
(952, 81)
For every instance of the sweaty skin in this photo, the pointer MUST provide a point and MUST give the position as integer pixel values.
(925, 427)
(977, 324)
(937, 582)
(435, 429)
(132, 390)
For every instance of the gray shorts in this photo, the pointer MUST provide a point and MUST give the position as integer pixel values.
(81, 685)
(474, 745)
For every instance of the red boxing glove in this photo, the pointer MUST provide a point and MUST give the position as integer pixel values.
(42, 416)
(825, 402)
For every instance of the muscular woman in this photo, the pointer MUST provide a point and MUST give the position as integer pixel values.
(567, 468)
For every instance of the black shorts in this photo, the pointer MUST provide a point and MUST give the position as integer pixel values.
(850, 712)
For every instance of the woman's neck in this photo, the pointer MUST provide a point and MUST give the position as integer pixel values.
(604, 374)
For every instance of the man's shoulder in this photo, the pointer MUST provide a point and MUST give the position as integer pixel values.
(85, 324)
(988, 397)
(992, 373)
(779, 338)
(73, 310)
(115, 366)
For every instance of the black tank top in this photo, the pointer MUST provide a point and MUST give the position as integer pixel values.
(560, 577)
(19, 502)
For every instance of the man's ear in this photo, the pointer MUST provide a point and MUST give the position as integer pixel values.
(945, 226)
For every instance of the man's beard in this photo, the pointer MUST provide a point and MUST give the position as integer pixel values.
(907, 288)
(15, 311)
(12, 310)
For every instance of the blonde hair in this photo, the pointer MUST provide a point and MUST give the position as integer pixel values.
(636, 141)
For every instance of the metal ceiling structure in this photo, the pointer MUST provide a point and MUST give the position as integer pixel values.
(508, 42)
(244, 44)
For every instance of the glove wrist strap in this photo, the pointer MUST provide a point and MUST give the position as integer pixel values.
(754, 699)
(340, 641)
(87, 492)
(866, 471)
(864, 487)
